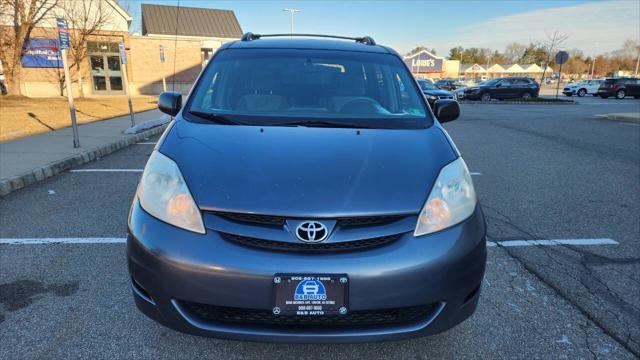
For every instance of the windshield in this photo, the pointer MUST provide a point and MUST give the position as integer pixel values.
(491, 82)
(309, 87)
(427, 85)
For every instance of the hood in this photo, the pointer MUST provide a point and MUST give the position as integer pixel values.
(437, 92)
(307, 171)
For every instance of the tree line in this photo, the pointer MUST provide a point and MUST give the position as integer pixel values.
(541, 53)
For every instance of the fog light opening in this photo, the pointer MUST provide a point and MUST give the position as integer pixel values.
(140, 291)
(471, 295)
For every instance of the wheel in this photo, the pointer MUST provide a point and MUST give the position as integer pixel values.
(621, 94)
(582, 92)
(486, 97)
(526, 95)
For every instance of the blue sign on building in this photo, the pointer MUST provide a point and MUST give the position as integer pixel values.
(424, 62)
(41, 53)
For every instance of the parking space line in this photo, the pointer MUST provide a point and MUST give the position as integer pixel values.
(475, 173)
(42, 241)
(105, 170)
(581, 242)
(145, 143)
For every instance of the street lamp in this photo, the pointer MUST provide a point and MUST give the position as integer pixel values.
(291, 12)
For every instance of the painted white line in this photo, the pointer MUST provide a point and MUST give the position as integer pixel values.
(475, 173)
(38, 241)
(491, 244)
(105, 170)
(556, 242)
(145, 143)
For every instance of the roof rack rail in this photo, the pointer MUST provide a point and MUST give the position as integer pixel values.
(367, 40)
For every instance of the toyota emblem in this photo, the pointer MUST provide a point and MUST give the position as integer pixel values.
(311, 231)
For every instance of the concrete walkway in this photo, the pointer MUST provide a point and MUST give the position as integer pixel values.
(34, 158)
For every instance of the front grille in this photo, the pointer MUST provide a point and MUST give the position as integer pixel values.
(272, 220)
(254, 218)
(311, 247)
(220, 314)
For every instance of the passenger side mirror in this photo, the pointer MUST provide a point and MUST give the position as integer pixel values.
(446, 110)
(170, 102)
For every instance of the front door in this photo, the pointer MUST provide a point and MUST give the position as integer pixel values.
(106, 74)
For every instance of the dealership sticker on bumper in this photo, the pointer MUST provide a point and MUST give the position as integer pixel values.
(310, 295)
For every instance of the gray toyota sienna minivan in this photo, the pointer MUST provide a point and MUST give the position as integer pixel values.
(306, 192)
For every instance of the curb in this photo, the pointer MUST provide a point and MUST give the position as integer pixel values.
(53, 168)
(503, 102)
(632, 118)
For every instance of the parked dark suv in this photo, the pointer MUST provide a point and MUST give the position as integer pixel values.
(620, 88)
(434, 93)
(305, 192)
(504, 88)
(449, 85)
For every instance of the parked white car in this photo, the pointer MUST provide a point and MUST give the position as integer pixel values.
(583, 88)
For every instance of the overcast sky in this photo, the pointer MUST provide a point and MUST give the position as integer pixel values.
(592, 26)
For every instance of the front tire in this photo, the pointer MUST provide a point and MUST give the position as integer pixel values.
(485, 97)
(582, 92)
(621, 94)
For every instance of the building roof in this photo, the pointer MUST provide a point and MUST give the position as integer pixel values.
(201, 22)
(473, 68)
(422, 52)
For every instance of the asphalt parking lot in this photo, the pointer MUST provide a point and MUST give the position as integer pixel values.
(542, 172)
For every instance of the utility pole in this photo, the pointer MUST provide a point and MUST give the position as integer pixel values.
(593, 68)
(292, 13)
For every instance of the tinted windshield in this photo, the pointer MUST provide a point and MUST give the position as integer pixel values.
(280, 87)
(427, 85)
(491, 82)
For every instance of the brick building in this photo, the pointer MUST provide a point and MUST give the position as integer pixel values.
(187, 36)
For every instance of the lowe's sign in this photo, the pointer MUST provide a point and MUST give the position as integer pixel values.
(424, 62)
(41, 53)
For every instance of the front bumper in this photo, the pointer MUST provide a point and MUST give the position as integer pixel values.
(170, 266)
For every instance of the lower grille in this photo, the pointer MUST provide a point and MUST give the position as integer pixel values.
(310, 247)
(397, 316)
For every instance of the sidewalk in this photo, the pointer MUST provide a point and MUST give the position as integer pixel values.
(34, 158)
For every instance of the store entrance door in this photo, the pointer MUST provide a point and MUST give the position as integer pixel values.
(106, 74)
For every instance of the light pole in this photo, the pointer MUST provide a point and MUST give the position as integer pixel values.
(291, 12)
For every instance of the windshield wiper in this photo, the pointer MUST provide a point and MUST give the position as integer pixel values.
(216, 118)
(320, 123)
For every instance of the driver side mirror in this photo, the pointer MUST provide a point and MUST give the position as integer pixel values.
(446, 110)
(170, 102)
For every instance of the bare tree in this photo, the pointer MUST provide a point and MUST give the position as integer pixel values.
(88, 19)
(22, 16)
(550, 45)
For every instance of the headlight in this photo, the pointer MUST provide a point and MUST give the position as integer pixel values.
(452, 200)
(164, 194)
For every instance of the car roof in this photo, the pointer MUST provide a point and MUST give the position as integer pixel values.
(308, 43)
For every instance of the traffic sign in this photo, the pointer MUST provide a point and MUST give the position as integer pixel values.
(63, 33)
(161, 53)
(562, 57)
